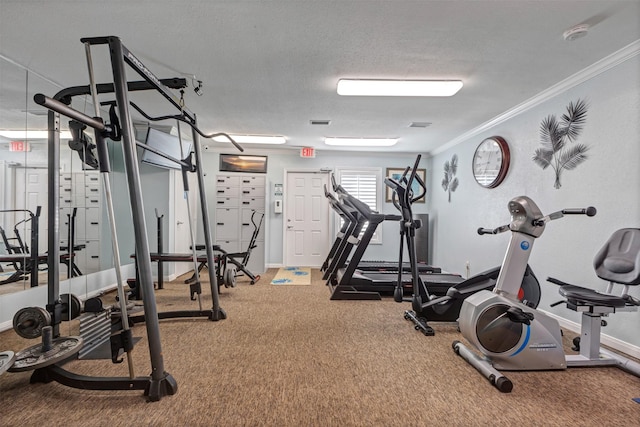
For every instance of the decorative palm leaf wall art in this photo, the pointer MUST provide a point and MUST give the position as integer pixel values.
(558, 136)
(450, 182)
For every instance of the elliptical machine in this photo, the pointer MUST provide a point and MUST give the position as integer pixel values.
(435, 300)
(513, 336)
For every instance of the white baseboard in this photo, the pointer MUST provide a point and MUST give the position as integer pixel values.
(282, 265)
(5, 326)
(275, 265)
(609, 341)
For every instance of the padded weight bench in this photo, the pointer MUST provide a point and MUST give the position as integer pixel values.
(25, 264)
(228, 276)
(221, 261)
(619, 263)
(161, 258)
(72, 269)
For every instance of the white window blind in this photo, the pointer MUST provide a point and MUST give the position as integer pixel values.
(364, 184)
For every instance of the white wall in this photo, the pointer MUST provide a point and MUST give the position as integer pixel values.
(608, 180)
(281, 160)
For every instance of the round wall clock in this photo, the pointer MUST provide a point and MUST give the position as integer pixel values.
(491, 162)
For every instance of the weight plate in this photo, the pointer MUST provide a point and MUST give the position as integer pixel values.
(71, 306)
(29, 321)
(33, 357)
(230, 278)
(6, 360)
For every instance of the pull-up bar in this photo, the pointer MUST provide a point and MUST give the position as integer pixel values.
(195, 128)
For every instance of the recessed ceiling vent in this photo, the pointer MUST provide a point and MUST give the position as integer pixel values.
(419, 124)
(320, 122)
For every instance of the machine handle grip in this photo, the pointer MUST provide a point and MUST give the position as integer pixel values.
(500, 229)
(590, 211)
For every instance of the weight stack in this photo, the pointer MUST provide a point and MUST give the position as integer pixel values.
(95, 330)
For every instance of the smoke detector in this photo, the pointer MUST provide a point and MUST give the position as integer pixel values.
(576, 32)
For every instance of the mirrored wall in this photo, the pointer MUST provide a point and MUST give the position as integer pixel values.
(84, 233)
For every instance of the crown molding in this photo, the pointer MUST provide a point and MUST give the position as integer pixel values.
(605, 64)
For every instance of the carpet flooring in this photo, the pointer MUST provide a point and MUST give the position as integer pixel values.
(288, 356)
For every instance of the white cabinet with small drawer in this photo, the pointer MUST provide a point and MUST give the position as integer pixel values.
(82, 192)
(237, 197)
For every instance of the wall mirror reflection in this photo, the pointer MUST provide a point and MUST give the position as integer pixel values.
(84, 242)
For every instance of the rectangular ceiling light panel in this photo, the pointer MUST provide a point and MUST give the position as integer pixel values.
(348, 87)
(32, 134)
(361, 142)
(253, 139)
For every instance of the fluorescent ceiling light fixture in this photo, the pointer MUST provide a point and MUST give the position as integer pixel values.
(253, 139)
(32, 134)
(398, 87)
(361, 142)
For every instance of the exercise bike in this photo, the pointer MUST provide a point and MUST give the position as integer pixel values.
(433, 298)
(515, 337)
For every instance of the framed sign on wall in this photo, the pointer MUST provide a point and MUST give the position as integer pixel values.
(396, 173)
(242, 163)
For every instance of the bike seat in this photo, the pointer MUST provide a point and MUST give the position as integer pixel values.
(577, 295)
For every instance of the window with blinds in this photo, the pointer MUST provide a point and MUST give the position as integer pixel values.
(364, 184)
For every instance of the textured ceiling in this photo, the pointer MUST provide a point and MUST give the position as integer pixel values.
(269, 67)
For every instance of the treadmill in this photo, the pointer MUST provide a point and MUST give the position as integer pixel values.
(352, 224)
(349, 280)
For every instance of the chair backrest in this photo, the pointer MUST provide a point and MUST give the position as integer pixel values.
(619, 260)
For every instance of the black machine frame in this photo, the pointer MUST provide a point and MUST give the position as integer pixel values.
(25, 261)
(159, 383)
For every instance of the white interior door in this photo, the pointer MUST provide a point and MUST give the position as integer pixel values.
(306, 220)
(182, 236)
(35, 181)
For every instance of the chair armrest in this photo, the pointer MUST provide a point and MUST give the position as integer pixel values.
(557, 282)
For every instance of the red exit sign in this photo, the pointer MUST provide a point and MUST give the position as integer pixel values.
(19, 146)
(308, 152)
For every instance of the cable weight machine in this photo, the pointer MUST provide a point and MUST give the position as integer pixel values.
(159, 383)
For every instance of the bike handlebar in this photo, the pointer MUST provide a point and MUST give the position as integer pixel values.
(540, 222)
(500, 229)
(590, 211)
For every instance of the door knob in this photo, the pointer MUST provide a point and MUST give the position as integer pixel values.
(180, 222)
